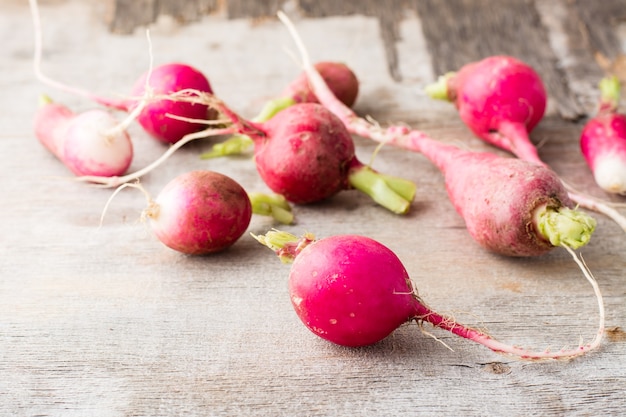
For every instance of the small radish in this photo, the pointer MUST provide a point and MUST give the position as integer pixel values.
(510, 206)
(202, 212)
(340, 79)
(603, 140)
(146, 104)
(353, 291)
(88, 143)
(501, 99)
(304, 153)
(156, 115)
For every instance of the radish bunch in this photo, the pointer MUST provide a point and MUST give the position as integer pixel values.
(510, 206)
(201, 212)
(603, 140)
(353, 291)
(501, 99)
(304, 153)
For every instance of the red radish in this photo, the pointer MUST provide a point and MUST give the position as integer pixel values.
(338, 76)
(88, 143)
(153, 112)
(603, 140)
(155, 116)
(202, 212)
(340, 79)
(304, 153)
(510, 206)
(353, 291)
(501, 99)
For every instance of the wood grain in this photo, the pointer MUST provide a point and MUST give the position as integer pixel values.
(103, 320)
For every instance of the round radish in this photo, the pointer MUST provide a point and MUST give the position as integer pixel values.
(338, 76)
(198, 212)
(353, 291)
(603, 140)
(155, 116)
(88, 143)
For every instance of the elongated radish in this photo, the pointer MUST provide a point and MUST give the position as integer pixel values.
(88, 143)
(143, 104)
(201, 212)
(353, 291)
(510, 206)
(603, 140)
(304, 153)
(501, 99)
(339, 78)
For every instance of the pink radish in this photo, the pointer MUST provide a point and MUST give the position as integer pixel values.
(340, 79)
(510, 206)
(201, 212)
(155, 113)
(304, 153)
(603, 140)
(501, 99)
(353, 291)
(156, 116)
(89, 143)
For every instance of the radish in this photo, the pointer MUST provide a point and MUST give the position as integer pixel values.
(501, 99)
(353, 291)
(154, 114)
(603, 140)
(304, 153)
(340, 79)
(510, 206)
(201, 212)
(88, 143)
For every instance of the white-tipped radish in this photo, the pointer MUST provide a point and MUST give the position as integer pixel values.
(603, 140)
(87, 143)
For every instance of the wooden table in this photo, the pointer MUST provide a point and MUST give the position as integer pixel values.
(106, 321)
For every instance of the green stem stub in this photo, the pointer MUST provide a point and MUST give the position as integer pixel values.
(395, 194)
(564, 226)
(273, 107)
(235, 145)
(439, 89)
(271, 205)
(609, 93)
(286, 245)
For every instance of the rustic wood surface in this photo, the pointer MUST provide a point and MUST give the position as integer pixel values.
(106, 321)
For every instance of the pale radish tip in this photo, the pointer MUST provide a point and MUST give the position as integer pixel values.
(439, 89)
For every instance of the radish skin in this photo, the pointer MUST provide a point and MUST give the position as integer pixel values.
(87, 143)
(535, 218)
(501, 99)
(353, 291)
(603, 140)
